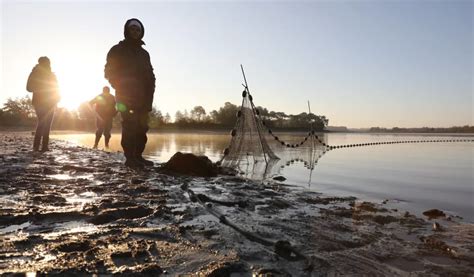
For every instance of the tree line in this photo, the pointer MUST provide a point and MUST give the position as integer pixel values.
(455, 129)
(19, 112)
(226, 116)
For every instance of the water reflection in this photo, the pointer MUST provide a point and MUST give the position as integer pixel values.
(417, 175)
(256, 167)
(14, 228)
(161, 146)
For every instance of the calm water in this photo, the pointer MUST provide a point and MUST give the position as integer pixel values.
(413, 177)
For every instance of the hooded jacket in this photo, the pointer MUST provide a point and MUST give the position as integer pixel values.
(44, 86)
(130, 73)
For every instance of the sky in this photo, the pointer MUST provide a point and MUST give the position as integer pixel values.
(359, 63)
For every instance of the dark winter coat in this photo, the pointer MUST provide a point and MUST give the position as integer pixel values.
(44, 86)
(130, 73)
(104, 105)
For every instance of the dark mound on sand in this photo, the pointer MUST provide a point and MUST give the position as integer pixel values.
(434, 213)
(190, 164)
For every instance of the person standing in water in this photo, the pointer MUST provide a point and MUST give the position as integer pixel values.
(104, 105)
(43, 84)
(129, 71)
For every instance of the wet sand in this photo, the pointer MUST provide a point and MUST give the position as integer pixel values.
(75, 210)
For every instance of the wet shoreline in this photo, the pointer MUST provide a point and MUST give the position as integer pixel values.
(80, 211)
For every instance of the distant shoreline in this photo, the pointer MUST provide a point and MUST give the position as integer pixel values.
(225, 131)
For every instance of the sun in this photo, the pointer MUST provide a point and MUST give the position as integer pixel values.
(75, 89)
(70, 97)
(77, 84)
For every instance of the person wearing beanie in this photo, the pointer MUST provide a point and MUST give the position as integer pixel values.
(104, 105)
(43, 84)
(129, 71)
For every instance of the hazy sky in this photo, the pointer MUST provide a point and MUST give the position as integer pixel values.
(360, 63)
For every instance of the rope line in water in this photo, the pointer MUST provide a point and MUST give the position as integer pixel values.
(397, 142)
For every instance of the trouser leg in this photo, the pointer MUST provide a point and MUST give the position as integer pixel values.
(107, 129)
(98, 133)
(97, 139)
(142, 129)
(47, 127)
(129, 131)
(38, 132)
(41, 116)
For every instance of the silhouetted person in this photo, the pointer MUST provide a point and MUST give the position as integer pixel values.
(130, 73)
(44, 86)
(104, 105)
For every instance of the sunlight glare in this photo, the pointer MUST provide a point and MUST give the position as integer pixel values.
(77, 83)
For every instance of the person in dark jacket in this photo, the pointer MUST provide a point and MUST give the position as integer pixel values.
(129, 71)
(104, 105)
(43, 84)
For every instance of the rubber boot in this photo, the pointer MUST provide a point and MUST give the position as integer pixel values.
(145, 162)
(131, 160)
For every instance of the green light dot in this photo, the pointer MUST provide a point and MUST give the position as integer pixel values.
(121, 107)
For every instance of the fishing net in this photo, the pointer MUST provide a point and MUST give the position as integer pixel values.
(253, 146)
(249, 142)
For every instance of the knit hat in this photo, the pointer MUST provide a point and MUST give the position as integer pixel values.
(134, 22)
(43, 60)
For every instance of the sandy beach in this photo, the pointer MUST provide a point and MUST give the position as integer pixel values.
(75, 210)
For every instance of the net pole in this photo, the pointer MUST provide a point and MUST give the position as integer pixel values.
(253, 108)
(313, 142)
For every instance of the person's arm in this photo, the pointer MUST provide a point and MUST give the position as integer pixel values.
(151, 84)
(32, 83)
(152, 77)
(55, 89)
(93, 101)
(115, 106)
(112, 67)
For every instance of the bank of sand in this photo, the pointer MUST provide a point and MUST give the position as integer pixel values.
(75, 210)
